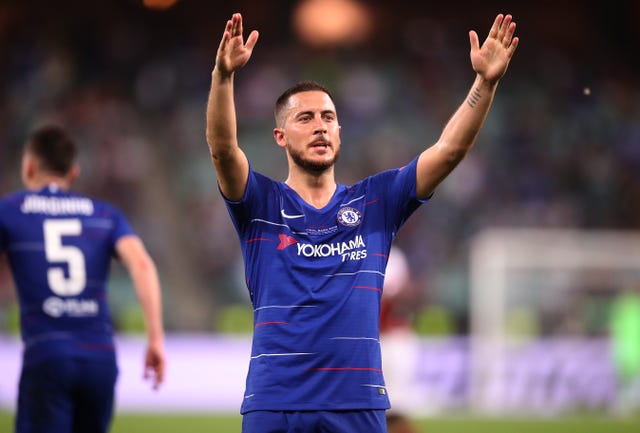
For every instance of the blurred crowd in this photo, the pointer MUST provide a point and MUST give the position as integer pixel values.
(561, 146)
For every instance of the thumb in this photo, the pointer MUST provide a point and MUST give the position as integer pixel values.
(252, 39)
(473, 40)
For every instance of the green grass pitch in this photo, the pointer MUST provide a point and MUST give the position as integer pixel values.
(197, 423)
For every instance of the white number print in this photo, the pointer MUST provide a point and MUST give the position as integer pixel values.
(56, 252)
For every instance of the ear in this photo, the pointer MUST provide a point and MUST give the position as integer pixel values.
(278, 134)
(73, 173)
(29, 167)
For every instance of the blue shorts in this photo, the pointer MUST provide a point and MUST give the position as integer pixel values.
(66, 395)
(348, 421)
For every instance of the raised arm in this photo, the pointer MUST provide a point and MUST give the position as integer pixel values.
(144, 275)
(230, 162)
(490, 62)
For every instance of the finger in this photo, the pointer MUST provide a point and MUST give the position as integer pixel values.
(160, 376)
(473, 40)
(237, 25)
(496, 26)
(240, 29)
(514, 44)
(508, 37)
(157, 378)
(503, 27)
(155, 373)
(150, 375)
(225, 35)
(234, 24)
(252, 40)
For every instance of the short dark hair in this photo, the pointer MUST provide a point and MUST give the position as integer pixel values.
(54, 149)
(302, 86)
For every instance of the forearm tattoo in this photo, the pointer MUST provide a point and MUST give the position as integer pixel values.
(474, 97)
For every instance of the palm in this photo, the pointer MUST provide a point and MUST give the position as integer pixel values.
(233, 52)
(492, 58)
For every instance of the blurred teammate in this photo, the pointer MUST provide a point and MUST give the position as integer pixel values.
(315, 250)
(60, 247)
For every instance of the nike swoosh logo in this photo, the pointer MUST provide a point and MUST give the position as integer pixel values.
(285, 215)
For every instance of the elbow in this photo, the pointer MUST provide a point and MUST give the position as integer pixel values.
(143, 265)
(218, 154)
(219, 148)
(214, 147)
(452, 154)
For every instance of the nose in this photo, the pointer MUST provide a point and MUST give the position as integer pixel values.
(319, 127)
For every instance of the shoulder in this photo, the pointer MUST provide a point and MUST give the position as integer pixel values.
(12, 200)
(97, 209)
(102, 205)
(378, 179)
(262, 179)
(263, 185)
(409, 167)
(13, 196)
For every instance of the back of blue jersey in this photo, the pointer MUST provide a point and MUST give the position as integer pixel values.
(60, 247)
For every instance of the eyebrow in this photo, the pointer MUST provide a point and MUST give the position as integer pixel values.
(312, 112)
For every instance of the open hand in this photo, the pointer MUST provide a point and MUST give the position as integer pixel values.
(492, 58)
(233, 53)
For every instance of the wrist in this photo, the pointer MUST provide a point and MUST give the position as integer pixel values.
(484, 84)
(219, 75)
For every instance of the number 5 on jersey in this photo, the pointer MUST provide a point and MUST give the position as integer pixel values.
(56, 252)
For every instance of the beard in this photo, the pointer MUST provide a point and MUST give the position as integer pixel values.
(312, 167)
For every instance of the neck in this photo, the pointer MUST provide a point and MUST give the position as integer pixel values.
(315, 189)
(38, 183)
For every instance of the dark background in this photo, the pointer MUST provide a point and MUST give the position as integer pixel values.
(561, 146)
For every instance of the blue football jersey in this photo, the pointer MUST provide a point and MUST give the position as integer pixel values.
(315, 279)
(60, 247)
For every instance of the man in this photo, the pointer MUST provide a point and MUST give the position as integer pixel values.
(315, 250)
(60, 247)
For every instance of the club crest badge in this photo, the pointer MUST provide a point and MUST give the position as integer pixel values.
(349, 217)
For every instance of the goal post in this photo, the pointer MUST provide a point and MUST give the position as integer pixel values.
(532, 267)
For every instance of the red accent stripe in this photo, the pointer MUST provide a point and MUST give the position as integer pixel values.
(258, 239)
(270, 323)
(286, 241)
(372, 201)
(347, 369)
(367, 288)
(380, 255)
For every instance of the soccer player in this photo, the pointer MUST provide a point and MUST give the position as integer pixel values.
(315, 250)
(60, 245)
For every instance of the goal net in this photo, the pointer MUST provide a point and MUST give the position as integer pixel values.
(540, 303)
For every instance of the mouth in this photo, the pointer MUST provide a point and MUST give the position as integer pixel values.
(320, 144)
